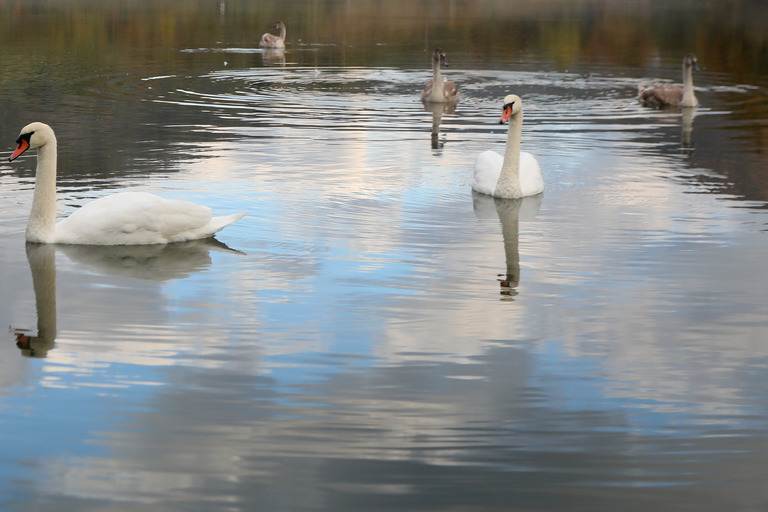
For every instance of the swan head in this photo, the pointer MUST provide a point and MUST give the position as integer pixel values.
(278, 25)
(439, 56)
(690, 62)
(513, 105)
(32, 136)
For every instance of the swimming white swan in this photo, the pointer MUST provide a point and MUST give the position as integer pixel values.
(126, 218)
(671, 95)
(272, 41)
(439, 90)
(517, 173)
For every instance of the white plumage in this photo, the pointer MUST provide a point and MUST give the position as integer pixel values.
(126, 218)
(488, 165)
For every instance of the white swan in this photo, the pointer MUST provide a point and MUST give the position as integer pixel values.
(272, 41)
(439, 90)
(126, 218)
(671, 95)
(517, 173)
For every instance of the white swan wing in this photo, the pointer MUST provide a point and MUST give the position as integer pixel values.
(531, 181)
(130, 218)
(487, 171)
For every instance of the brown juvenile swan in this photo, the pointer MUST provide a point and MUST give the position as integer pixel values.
(671, 95)
(272, 41)
(439, 90)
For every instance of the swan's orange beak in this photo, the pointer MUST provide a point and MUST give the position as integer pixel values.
(22, 146)
(22, 340)
(505, 115)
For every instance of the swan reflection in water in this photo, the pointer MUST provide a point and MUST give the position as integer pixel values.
(273, 56)
(509, 212)
(437, 110)
(161, 262)
(42, 263)
(689, 114)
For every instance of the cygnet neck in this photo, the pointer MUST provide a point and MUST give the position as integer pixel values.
(689, 97)
(437, 81)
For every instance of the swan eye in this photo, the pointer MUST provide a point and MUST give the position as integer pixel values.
(25, 137)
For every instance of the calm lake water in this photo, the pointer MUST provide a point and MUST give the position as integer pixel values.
(373, 336)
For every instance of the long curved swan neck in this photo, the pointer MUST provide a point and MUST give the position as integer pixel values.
(509, 179)
(282, 31)
(689, 97)
(42, 217)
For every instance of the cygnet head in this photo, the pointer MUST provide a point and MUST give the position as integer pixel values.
(439, 56)
(690, 62)
(32, 136)
(513, 105)
(278, 25)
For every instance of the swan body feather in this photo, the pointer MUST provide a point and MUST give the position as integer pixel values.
(139, 218)
(488, 165)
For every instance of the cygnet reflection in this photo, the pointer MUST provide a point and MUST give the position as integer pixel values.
(273, 56)
(437, 110)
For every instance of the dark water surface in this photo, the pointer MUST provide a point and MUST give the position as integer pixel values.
(373, 336)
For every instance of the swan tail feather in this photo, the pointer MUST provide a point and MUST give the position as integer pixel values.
(218, 223)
